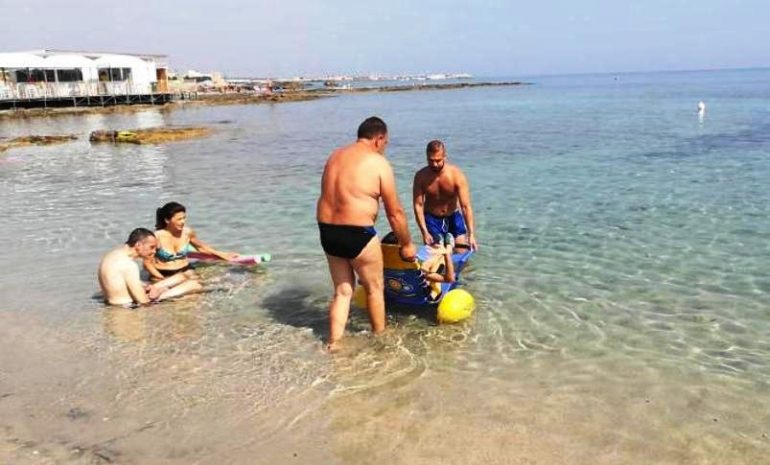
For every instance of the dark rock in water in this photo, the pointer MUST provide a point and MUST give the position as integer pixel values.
(34, 140)
(148, 136)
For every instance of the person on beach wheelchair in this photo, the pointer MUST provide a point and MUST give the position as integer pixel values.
(426, 281)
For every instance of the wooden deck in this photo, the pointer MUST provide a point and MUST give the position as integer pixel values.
(85, 101)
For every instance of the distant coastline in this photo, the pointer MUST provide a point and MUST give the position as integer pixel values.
(238, 98)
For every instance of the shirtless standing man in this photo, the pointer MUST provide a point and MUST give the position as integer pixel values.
(119, 274)
(438, 190)
(354, 179)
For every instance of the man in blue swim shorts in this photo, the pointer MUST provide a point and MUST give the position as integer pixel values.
(442, 200)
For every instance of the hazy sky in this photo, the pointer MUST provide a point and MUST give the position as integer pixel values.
(485, 38)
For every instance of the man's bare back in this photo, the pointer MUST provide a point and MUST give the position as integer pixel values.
(114, 268)
(350, 187)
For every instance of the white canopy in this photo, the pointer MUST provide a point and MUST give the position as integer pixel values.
(119, 61)
(21, 60)
(68, 61)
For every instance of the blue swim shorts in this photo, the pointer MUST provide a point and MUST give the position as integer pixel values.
(438, 226)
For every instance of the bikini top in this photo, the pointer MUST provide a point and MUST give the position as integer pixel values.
(166, 256)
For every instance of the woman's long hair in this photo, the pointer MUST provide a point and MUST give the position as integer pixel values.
(166, 212)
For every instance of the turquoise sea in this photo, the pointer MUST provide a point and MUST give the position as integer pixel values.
(623, 285)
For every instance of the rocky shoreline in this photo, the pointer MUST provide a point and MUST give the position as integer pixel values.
(244, 99)
(26, 141)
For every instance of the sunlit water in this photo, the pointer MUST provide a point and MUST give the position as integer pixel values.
(623, 285)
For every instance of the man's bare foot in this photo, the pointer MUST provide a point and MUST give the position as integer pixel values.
(333, 347)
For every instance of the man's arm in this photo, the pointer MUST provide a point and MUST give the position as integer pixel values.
(135, 286)
(395, 211)
(464, 195)
(418, 203)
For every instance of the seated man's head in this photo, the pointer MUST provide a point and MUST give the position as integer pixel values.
(143, 242)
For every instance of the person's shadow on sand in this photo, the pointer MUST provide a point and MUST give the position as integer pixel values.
(301, 308)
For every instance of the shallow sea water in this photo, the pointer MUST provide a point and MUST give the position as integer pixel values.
(623, 285)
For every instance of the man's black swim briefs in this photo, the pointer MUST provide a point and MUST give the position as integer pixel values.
(345, 241)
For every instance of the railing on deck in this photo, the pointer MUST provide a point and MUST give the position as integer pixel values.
(48, 90)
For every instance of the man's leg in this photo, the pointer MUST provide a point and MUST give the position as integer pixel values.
(435, 226)
(457, 228)
(190, 286)
(368, 266)
(461, 240)
(344, 281)
(171, 281)
(176, 286)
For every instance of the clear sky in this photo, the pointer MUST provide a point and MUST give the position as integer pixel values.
(485, 38)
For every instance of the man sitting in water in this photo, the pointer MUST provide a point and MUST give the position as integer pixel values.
(119, 274)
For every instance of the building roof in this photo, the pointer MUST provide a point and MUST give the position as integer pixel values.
(119, 61)
(55, 58)
(21, 60)
(93, 53)
(68, 60)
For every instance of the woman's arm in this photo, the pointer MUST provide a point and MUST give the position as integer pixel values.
(149, 265)
(205, 248)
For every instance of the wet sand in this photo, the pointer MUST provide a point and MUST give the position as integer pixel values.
(157, 387)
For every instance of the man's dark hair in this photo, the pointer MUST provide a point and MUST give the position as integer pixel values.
(371, 128)
(138, 235)
(433, 147)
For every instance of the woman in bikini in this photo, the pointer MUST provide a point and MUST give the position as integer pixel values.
(174, 240)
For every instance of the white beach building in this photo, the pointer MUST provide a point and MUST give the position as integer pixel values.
(68, 78)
